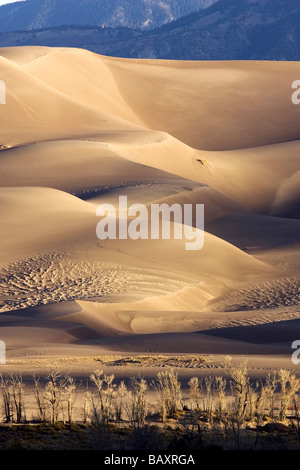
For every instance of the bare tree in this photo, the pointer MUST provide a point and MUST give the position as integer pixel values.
(137, 406)
(239, 384)
(40, 399)
(271, 385)
(260, 400)
(17, 391)
(7, 398)
(169, 391)
(71, 392)
(55, 388)
(289, 386)
(121, 394)
(87, 406)
(194, 392)
(209, 397)
(220, 387)
(106, 393)
(295, 419)
(95, 415)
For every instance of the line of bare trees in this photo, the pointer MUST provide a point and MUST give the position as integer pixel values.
(231, 399)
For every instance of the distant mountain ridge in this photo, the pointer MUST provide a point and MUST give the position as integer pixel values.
(135, 14)
(227, 30)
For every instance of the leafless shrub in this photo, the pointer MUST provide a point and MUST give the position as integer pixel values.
(40, 399)
(271, 385)
(289, 386)
(194, 392)
(87, 406)
(7, 398)
(169, 392)
(121, 394)
(12, 389)
(95, 415)
(71, 393)
(239, 383)
(192, 425)
(54, 391)
(295, 419)
(106, 393)
(260, 401)
(17, 392)
(137, 404)
(209, 397)
(220, 387)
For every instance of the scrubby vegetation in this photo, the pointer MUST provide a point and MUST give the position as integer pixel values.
(230, 411)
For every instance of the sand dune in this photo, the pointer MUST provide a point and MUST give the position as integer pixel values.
(37, 111)
(208, 114)
(37, 219)
(79, 130)
(67, 164)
